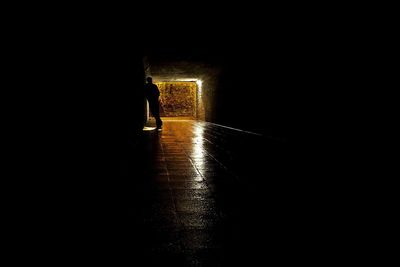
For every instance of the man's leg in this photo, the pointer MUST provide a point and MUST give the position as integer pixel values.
(157, 114)
(155, 110)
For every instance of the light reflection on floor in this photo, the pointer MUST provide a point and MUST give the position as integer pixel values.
(205, 193)
(145, 128)
(197, 154)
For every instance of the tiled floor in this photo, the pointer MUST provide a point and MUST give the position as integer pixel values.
(206, 195)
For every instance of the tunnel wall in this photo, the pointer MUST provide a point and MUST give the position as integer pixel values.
(274, 87)
(254, 94)
(88, 91)
(178, 99)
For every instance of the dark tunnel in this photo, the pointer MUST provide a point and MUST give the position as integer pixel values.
(232, 179)
(240, 152)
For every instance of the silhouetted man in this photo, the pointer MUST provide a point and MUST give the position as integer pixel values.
(152, 94)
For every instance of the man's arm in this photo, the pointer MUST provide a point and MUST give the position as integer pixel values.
(157, 90)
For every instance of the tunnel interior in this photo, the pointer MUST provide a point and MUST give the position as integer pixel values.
(236, 91)
(114, 179)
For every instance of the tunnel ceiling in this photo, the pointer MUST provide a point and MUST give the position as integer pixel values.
(208, 54)
(175, 63)
(176, 70)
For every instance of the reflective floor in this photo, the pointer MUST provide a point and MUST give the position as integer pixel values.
(207, 195)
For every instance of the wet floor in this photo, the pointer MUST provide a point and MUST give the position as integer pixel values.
(207, 195)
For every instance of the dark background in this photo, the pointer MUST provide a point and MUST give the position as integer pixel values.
(83, 111)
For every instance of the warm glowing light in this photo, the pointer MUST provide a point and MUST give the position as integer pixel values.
(197, 149)
(199, 85)
(199, 109)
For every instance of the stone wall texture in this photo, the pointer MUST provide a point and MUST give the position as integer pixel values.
(177, 99)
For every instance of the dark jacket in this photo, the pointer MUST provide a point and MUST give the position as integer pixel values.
(151, 91)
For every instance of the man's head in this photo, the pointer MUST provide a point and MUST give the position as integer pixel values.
(149, 80)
